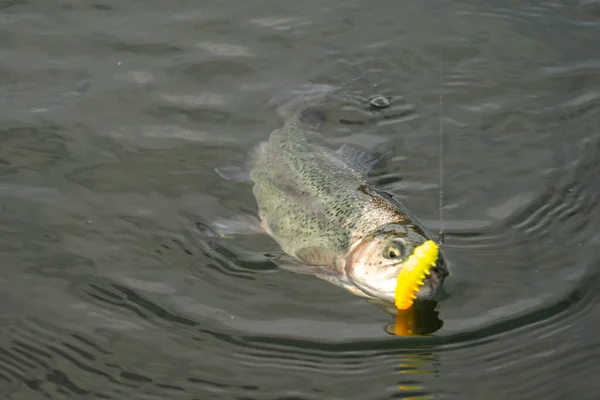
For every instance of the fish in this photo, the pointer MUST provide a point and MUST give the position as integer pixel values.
(316, 201)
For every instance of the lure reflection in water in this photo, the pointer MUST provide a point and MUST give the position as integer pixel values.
(416, 364)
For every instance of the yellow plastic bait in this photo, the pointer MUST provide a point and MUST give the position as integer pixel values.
(413, 274)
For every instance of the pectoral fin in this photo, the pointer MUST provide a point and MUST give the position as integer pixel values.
(236, 225)
(292, 264)
(239, 169)
(316, 255)
(234, 172)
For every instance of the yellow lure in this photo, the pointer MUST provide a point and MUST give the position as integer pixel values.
(413, 274)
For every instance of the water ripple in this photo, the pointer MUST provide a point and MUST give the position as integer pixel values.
(115, 114)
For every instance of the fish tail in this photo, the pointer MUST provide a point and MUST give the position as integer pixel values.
(304, 101)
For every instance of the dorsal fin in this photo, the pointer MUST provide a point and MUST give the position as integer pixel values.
(357, 159)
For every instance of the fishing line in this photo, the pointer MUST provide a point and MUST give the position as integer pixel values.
(441, 142)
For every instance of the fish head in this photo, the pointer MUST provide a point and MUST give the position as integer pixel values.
(374, 263)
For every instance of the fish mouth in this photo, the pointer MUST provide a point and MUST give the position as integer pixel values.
(386, 290)
(433, 280)
(382, 286)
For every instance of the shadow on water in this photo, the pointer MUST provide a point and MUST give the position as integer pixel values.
(420, 320)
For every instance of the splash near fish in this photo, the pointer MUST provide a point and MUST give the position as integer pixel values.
(413, 274)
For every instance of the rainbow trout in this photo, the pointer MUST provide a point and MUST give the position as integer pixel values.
(316, 202)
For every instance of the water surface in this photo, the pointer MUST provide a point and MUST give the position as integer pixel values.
(114, 114)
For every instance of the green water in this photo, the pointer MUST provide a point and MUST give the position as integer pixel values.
(113, 116)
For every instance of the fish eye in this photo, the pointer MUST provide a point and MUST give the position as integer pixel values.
(395, 249)
(392, 252)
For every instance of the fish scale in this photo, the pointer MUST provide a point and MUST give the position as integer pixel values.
(335, 211)
(317, 203)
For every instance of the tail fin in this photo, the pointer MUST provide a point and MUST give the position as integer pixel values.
(292, 103)
(306, 101)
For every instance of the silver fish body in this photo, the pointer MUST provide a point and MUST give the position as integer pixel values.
(317, 203)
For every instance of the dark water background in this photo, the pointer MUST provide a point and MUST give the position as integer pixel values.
(114, 114)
